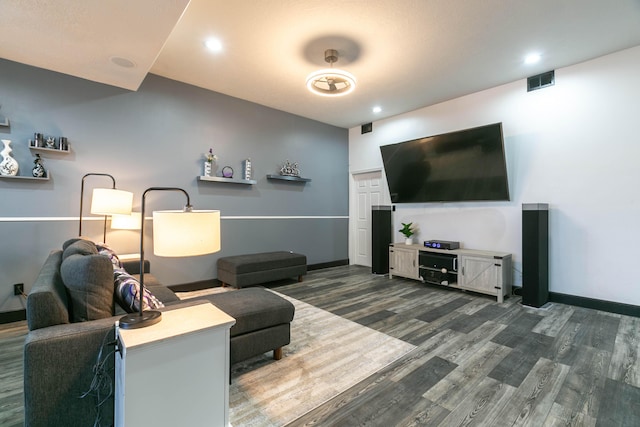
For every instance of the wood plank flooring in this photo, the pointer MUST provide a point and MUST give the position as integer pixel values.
(477, 362)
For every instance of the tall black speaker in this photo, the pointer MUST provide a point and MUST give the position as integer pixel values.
(535, 254)
(380, 238)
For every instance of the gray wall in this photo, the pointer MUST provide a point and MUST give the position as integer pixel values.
(157, 136)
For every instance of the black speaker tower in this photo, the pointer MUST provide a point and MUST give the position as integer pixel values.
(380, 238)
(535, 254)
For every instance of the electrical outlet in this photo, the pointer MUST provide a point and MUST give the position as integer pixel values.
(18, 289)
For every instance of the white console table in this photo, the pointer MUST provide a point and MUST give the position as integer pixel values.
(486, 272)
(176, 372)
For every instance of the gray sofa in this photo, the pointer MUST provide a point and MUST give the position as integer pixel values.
(60, 353)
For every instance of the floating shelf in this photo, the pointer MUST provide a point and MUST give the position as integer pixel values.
(29, 178)
(288, 178)
(50, 150)
(227, 180)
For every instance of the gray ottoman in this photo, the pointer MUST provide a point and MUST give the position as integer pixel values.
(253, 269)
(262, 321)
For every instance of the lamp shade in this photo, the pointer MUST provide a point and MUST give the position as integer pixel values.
(109, 201)
(186, 233)
(126, 222)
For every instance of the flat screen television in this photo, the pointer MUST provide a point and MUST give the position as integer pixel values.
(467, 165)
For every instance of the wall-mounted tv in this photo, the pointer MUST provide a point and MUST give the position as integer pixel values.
(467, 165)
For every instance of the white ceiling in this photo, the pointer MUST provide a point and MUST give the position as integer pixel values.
(405, 54)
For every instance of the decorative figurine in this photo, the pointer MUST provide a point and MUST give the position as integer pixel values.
(209, 160)
(290, 169)
(9, 165)
(247, 169)
(227, 172)
(38, 170)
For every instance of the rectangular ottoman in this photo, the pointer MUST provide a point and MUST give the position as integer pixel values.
(253, 269)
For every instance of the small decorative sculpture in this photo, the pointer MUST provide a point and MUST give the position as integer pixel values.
(247, 169)
(209, 160)
(227, 172)
(38, 170)
(9, 165)
(290, 169)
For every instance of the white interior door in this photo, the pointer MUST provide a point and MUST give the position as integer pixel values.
(368, 188)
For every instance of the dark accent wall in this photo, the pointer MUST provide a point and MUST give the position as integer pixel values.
(157, 136)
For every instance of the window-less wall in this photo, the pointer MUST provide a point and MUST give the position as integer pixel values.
(157, 136)
(573, 145)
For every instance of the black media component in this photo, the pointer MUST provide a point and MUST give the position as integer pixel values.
(380, 239)
(439, 269)
(441, 244)
(467, 165)
(535, 254)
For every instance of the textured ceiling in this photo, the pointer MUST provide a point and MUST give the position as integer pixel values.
(405, 54)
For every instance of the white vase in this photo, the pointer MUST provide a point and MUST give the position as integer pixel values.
(207, 168)
(408, 241)
(9, 165)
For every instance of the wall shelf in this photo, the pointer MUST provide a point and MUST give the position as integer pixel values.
(227, 180)
(50, 150)
(28, 178)
(288, 178)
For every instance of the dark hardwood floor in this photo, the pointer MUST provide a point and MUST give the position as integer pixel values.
(477, 362)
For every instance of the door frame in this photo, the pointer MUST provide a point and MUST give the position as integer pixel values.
(386, 200)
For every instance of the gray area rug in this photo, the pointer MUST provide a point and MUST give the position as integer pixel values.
(327, 355)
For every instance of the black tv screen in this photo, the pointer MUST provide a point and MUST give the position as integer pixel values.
(467, 165)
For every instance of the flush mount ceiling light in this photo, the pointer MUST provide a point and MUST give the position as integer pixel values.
(331, 81)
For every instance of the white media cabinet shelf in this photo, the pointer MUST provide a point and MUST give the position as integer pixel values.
(485, 272)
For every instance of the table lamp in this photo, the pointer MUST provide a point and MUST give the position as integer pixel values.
(176, 233)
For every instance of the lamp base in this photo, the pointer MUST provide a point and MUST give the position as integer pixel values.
(140, 320)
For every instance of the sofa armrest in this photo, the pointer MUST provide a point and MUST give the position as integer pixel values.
(132, 266)
(58, 369)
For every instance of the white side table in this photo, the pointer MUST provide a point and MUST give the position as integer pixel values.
(175, 372)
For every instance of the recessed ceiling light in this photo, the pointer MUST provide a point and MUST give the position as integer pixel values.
(377, 109)
(214, 45)
(122, 62)
(532, 58)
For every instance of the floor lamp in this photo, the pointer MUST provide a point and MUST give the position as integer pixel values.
(126, 222)
(176, 233)
(106, 201)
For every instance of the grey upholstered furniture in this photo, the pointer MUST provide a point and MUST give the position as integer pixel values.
(252, 269)
(59, 354)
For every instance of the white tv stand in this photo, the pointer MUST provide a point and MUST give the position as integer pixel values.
(485, 272)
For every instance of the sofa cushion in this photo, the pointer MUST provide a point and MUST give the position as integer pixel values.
(105, 250)
(47, 303)
(127, 293)
(253, 309)
(88, 277)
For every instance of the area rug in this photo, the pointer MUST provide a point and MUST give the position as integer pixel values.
(327, 355)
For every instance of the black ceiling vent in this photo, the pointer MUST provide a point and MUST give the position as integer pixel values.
(541, 80)
(366, 128)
